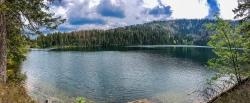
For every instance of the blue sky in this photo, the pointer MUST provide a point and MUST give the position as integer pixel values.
(105, 14)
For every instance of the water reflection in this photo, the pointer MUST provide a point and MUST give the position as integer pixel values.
(166, 74)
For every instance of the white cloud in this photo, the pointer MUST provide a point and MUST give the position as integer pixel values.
(188, 8)
(135, 11)
(150, 3)
(226, 7)
(60, 11)
(93, 3)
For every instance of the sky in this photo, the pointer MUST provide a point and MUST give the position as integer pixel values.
(106, 14)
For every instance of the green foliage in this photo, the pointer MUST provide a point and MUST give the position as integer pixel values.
(231, 54)
(80, 100)
(17, 48)
(243, 12)
(22, 17)
(15, 76)
(29, 15)
(173, 32)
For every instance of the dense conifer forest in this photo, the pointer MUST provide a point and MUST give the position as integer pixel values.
(172, 32)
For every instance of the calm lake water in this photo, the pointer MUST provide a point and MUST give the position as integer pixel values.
(165, 74)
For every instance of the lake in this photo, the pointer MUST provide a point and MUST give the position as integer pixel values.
(167, 74)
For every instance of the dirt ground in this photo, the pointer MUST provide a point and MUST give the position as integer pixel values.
(14, 93)
(240, 94)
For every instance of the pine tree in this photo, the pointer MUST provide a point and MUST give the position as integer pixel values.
(25, 15)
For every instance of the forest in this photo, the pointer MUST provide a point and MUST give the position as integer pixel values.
(172, 32)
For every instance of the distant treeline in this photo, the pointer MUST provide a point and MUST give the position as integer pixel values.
(172, 32)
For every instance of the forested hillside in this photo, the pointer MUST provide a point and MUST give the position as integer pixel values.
(172, 32)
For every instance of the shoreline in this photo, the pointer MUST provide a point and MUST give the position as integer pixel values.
(228, 90)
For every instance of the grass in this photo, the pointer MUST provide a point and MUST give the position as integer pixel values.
(14, 93)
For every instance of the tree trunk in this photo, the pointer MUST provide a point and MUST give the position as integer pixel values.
(3, 45)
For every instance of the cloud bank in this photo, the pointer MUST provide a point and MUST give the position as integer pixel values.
(105, 14)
